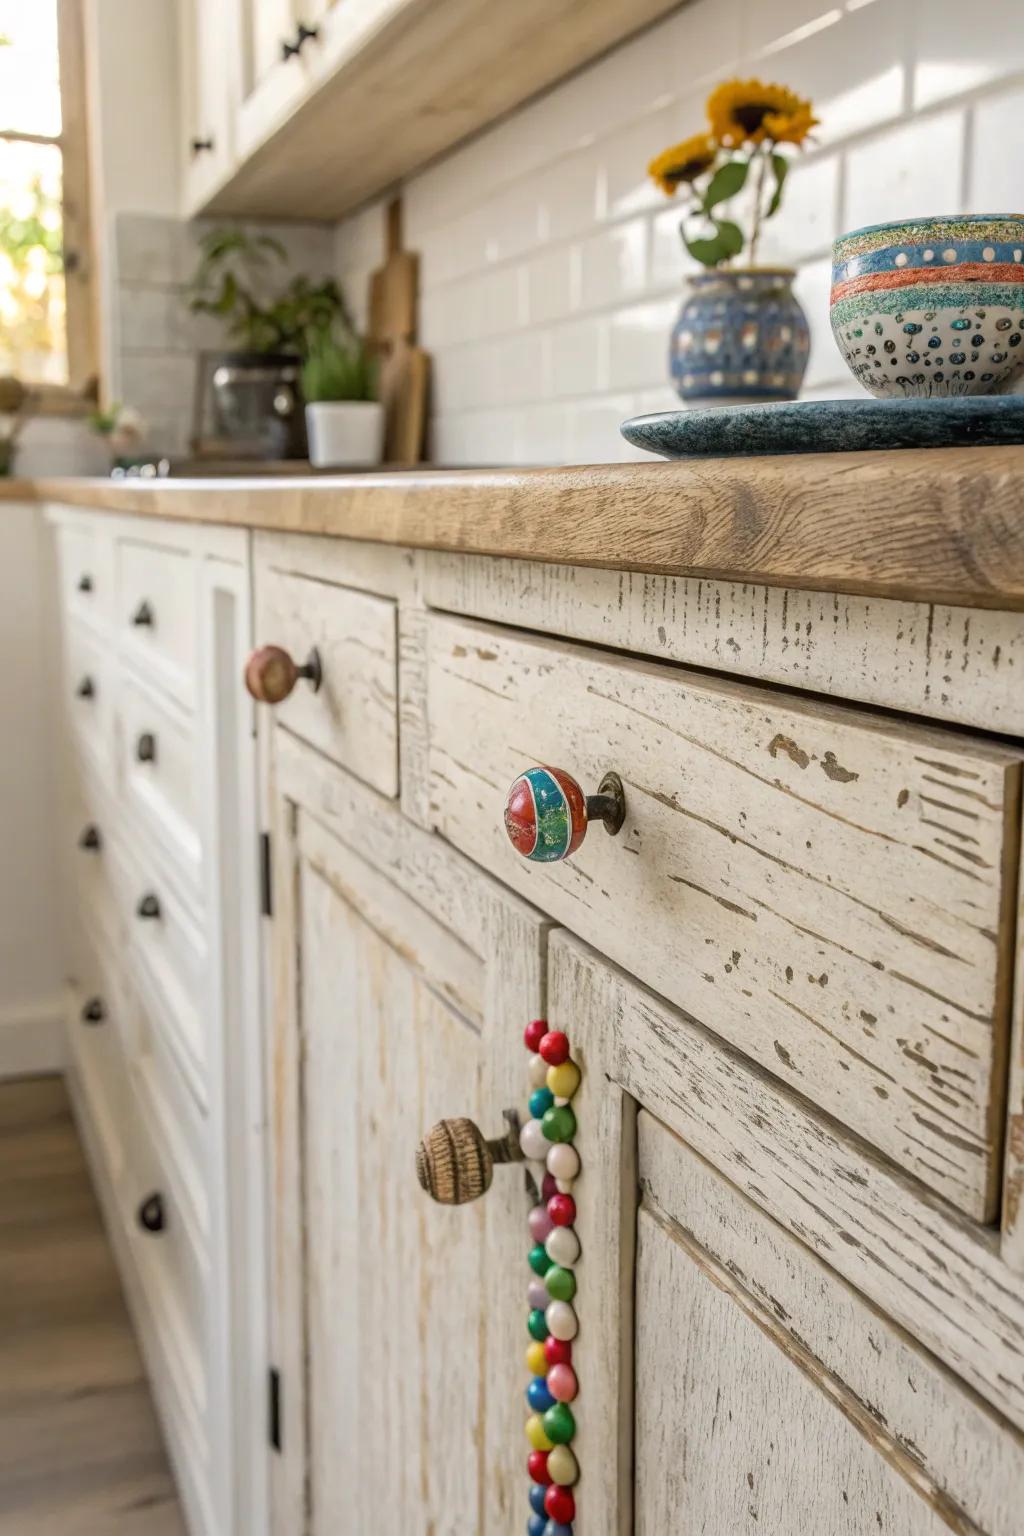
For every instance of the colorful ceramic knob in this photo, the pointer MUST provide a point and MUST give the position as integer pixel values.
(560, 1504)
(541, 1100)
(555, 1528)
(533, 1142)
(562, 1383)
(562, 1247)
(562, 1466)
(537, 1323)
(537, 1492)
(559, 1425)
(559, 1123)
(537, 1467)
(538, 1397)
(564, 1079)
(537, 1359)
(538, 1300)
(537, 1071)
(537, 1524)
(271, 674)
(455, 1163)
(561, 1320)
(547, 814)
(560, 1284)
(548, 1186)
(561, 1210)
(540, 1260)
(534, 1033)
(539, 1223)
(554, 1047)
(537, 1434)
(557, 1351)
(563, 1162)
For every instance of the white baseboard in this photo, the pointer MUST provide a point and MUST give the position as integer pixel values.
(32, 1039)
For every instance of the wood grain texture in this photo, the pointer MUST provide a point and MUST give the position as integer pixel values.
(80, 1450)
(825, 889)
(937, 1275)
(938, 525)
(1012, 1227)
(878, 1403)
(951, 664)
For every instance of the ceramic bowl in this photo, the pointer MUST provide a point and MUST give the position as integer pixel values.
(931, 306)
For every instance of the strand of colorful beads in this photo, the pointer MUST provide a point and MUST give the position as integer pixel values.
(547, 1138)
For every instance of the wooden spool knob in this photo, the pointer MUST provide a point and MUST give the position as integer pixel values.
(547, 813)
(455, 1162)
(271, 674)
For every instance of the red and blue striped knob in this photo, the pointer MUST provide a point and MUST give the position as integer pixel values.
(547, 813)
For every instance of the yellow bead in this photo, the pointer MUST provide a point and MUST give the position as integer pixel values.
(535, 1433)
(564, 1080)
(536, 1360)
(562, 1468)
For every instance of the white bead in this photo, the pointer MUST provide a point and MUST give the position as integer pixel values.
(533, 1142)
(561, 1320)
(564, 1186)
(538, 1072)
(563, 1246)
(563, 1160)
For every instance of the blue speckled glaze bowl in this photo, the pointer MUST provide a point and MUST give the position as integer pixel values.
(741, 336)
(931, 307)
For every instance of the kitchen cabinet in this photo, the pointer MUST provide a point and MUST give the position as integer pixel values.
(207, 72)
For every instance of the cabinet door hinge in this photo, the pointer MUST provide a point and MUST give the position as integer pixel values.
(266, 900)
(274, 1408)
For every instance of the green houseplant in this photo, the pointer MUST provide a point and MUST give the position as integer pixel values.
(344, 418)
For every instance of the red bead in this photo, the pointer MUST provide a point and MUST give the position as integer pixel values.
(534, 1033)
(562, 1210)
(537, 1466)
(549, 1187)
(554, 1048)
(560, 1504)
(557, 1351)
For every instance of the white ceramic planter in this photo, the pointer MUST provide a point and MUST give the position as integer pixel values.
(345, 432)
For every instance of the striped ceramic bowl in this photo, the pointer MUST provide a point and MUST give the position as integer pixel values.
(932, 306)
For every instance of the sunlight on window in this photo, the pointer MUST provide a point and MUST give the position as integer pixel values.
(29, 73)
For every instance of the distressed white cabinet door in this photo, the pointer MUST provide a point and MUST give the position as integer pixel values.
(404, 978)
(775, 1327)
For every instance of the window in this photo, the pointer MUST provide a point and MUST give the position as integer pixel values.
(46, 317)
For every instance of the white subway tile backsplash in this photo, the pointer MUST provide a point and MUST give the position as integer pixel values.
(960, 47)
(808, 220)
(854, 72)
(552, 283)
(995, 183)
(638, 355)
(916, 169)
(613, 263)
(812, 287)
(571, 193)
(594, 436)
(579, 357)
(704, 41)
(629, 189)
(670, 260)
(782, 22)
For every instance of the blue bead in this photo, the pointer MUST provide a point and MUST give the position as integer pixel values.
(537, 1492)
(551, 1529)
(538, 1396)
(536, 1525)
(540, 1100)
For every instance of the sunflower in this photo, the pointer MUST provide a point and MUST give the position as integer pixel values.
(746, 111)
(683, 162)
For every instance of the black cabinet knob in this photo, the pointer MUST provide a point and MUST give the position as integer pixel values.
(200, 146)
(145, 747)
(85, 583)
(90, 838)
(142, 618)
(86, 689)
(94, 1011)
(303, 36)
(151, 1213)
(149, 906)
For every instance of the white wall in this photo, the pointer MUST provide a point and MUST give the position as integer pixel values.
(551, 268)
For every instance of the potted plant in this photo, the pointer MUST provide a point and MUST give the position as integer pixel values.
(254, 388)
(344, 419)
(741, 334)
(122, 428)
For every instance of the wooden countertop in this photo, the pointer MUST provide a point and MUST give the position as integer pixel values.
(943, 525)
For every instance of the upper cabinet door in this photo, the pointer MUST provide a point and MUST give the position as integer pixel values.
(207, 71)
(275, 39)
(403, 979)
(771, 1321)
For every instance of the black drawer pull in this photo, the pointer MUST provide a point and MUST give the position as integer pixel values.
(86, 689)
(142, 618)
(145, 747)
(85, 583)
(200, 146)
(94, 1011)
(90, 838)
(151, 1213)
(149, 906)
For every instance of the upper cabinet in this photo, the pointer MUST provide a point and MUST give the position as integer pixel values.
(331, 101)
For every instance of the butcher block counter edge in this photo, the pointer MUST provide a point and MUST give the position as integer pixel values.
(930, 525)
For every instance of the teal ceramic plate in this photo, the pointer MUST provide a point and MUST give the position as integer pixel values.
(829, 426)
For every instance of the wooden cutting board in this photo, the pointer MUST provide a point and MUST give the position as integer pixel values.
(404, 367)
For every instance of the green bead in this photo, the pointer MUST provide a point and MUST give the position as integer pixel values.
(537, 1324)
(559, 1123)
(561, 1283)
(559, 1424)
(539, 1261)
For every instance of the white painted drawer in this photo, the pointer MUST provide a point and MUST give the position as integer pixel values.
(159, 773)
(85, 566)
(157, 613)
(826, 889)
(93, 862)
(89, 691)
(95, 1032)
(353, 716)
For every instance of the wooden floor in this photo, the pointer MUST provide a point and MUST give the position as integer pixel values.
(80, 1450)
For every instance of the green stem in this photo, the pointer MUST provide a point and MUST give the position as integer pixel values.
(755, 233)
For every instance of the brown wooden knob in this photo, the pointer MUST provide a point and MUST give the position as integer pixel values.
(271, 674)
(455, 1162)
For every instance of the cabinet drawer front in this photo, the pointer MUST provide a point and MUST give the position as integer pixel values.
(159, 772)
(85, 564)
(89, 688)
(825, 889)
(157, 613)
(353, 716)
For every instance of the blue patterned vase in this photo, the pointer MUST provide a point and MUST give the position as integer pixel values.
(741, 336)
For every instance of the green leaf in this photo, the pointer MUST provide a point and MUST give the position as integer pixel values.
(730, 236)
(780, 165)
(729, 179)
(709, 252)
